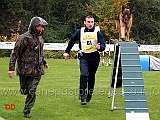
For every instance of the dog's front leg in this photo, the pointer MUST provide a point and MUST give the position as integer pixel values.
(123, 32)
(127, 33)
(127, 36)
(128, 28)
(120, 36)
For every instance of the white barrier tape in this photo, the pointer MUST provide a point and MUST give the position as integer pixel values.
(47, 46)
(62, 46)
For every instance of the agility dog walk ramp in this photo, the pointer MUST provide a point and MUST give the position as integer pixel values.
(126, 69)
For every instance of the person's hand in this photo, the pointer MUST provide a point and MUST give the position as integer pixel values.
(46, 66)
(11, 73)
(65, 56)
(97, 46)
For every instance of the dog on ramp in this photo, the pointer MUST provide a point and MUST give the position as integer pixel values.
(123, 23)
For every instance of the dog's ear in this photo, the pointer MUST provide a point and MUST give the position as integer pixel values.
(131, 9)
(123, 8)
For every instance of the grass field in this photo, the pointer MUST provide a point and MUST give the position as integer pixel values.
(57, 94)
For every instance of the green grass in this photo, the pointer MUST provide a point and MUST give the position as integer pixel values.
(57, 94)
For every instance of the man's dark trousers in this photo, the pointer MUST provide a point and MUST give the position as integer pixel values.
(87, 75)
(28, 86)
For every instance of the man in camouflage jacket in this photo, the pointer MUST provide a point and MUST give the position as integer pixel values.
(28, 52)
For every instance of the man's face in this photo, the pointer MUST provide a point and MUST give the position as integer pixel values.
(40, 29)
(89, 23)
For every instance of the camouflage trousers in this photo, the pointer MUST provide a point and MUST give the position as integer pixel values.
(28, 86)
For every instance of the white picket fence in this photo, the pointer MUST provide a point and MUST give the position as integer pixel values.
(62, 46)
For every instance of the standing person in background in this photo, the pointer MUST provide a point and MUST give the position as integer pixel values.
(28, 52)
(91, 41)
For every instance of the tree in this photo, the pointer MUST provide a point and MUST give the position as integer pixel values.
(11, 13)
(65, 17)
(146, 21)
(105, 12)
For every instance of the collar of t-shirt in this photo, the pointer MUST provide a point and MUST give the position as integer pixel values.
(89, 30)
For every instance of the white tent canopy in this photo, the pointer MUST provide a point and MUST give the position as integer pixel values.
(154, 63)
(149, 62)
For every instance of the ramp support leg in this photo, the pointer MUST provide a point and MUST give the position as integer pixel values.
(115, 82)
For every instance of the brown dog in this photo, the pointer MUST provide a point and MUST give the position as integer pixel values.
(124, 23)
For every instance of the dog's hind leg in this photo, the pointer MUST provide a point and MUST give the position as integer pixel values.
(118, 28)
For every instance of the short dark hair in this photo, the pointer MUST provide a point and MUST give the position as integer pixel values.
(89, 16)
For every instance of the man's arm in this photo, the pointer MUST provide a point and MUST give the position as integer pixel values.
(101, 43)
(46, 66)
(16, 52)
(74, 37)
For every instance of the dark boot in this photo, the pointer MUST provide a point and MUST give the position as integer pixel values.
(83, 102)
(27, 115)
(88, 98)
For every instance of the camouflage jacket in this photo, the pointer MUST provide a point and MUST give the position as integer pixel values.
(28, 52)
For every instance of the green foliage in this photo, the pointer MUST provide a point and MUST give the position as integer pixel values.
(11, 13)
(76, 13)
(5, 53)
(65, 16)
(58, 54)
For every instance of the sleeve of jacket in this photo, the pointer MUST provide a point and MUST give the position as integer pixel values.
(16, 52)
(101, 41)
(44, 62)
(74, 37)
